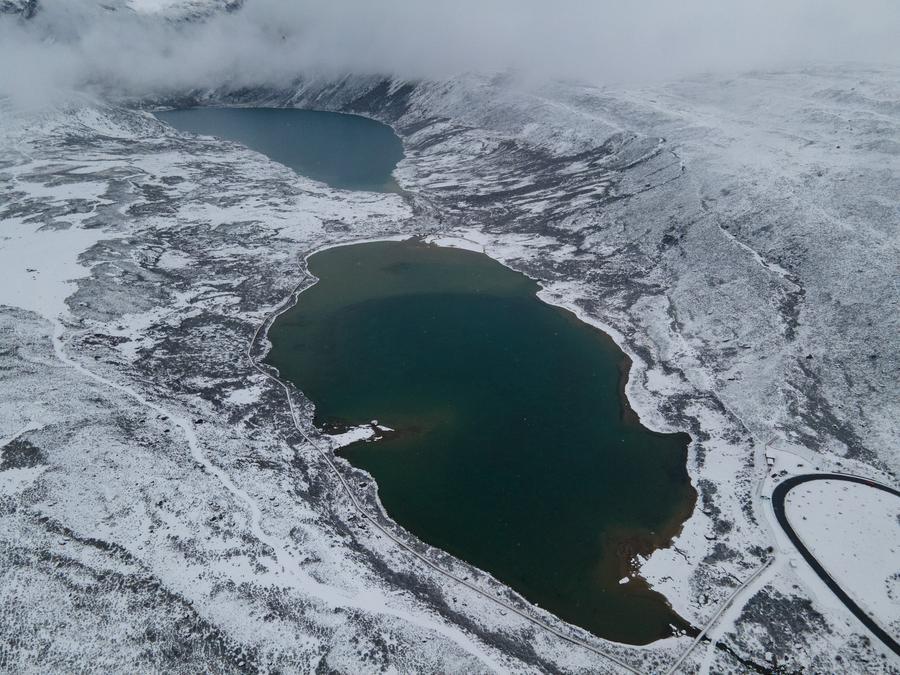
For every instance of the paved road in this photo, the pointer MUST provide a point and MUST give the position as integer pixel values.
(778, 496)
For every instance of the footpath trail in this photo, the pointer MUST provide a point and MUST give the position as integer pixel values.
(285, 559)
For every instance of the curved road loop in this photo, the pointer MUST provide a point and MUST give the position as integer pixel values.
(778, 497)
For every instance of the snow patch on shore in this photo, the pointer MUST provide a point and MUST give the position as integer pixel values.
(364, 432)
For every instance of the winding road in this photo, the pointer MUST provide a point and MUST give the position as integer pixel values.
(778, 497)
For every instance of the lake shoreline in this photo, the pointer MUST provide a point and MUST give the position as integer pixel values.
(638, 543)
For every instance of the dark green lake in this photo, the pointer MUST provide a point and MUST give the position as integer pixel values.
(344, 151)
(515, 449)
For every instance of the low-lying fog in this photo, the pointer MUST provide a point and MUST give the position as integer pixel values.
(108, 46)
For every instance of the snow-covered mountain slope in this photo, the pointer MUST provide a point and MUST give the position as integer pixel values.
(737, 237)
(22, 8)
(181, 9)
(170, 8)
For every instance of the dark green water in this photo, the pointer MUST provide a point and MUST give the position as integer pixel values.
(345, 151)
(514, 449)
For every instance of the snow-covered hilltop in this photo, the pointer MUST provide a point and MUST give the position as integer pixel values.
(23, 8)
(158, 507)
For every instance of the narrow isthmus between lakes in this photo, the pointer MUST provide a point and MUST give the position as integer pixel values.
(513, 447)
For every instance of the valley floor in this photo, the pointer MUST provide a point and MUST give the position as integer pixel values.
(163, 507)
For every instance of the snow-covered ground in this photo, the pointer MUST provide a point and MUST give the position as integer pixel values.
(155, 495)
(854, 532)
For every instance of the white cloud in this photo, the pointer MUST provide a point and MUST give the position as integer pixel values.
(81, 44)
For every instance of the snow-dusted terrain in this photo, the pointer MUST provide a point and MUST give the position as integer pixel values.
(160, 508)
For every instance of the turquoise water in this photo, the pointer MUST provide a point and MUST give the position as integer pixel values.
(344, 151)
(514, 447)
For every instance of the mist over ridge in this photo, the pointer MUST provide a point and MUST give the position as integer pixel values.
(136, 48)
